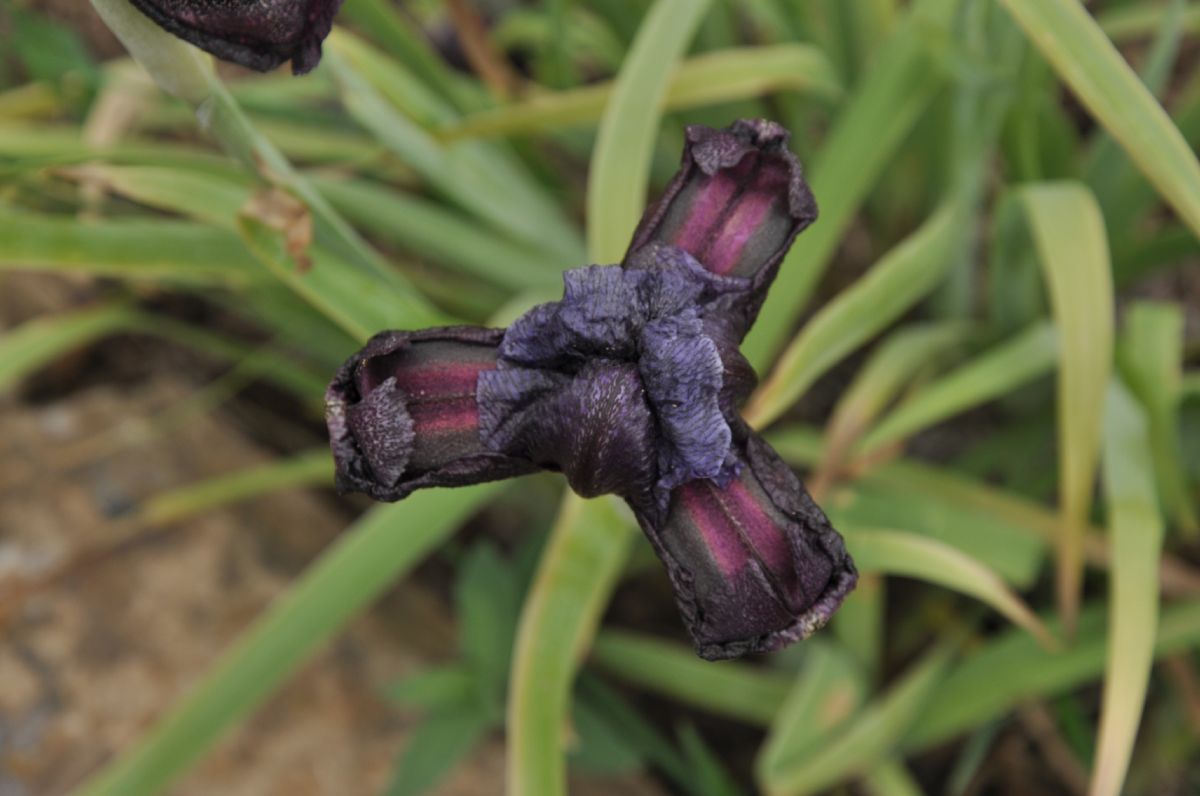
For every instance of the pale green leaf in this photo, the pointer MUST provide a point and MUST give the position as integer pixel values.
(1069, 38)
(706, 79)
(1137, 535)
(904, 276)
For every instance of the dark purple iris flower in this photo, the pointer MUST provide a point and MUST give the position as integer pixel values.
(259, 34)
(630, 385)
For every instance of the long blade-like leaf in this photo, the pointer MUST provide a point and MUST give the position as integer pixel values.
(1137, 534)
(1088, 62)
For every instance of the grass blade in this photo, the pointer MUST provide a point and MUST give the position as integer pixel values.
(707, 79)
(1088, 62)
(1151, 359)
(620, 168)
(898, 553)
(575, 576)
(168, 251)
(37, 342)
(432, 230)
(904, 276)
(1068, 234)
(868, 739)
(828, 691)
(741, 692)
(314, 468)
(187, 73)
(1013, 668)
(993, 373)
(480, 177)
(1137, 535)
(902, 358)
(363, 562)
(864, 138)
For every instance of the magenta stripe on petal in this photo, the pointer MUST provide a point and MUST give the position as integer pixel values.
(445, 415)
(439, 379)
(705, 212)
(702, 502)
(737, 231)
(760, 528)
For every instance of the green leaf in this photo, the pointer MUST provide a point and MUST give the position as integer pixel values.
(905, 356)
(353, 300)
(1013, 668)
(1151, 358)
(365, 560)
(488, 598)
(314, 468)
(1088, 62)
(575, 577)
(866, 740)
(827, 693)
(707, 79)
(1068, 233)
(860, 144)
(904, 276)
(1137, 535)
(437, 689)
(886, 500)
(601, 747)
(891, 778)
(440, 741)
(613, 708)
(210, 198)
(38, 342)
(996, 372)
(480, 177)
(167, 251)
(750, 694)
(429, 229)
(709, 776)
(620, 168)
(185, 72)
(898, 553)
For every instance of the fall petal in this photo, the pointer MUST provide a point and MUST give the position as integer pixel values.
(402, 413)
(755, 565)
(259, 34)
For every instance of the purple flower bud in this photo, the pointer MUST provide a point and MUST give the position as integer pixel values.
(630, 385)
(402, 413)
(736, 204)
(259, 34)
(755, 565)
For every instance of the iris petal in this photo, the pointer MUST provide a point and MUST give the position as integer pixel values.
(755, 565)
(402, 413)
(736, 204)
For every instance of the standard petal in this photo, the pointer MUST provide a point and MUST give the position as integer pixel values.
(260, 35)
(402, 413)
(682, 371)
(755, 565)
(736, 204)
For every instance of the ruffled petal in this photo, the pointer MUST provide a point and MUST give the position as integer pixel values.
(595, 426)
(736, 204)
(402, 413)
(683, 372)
(260, 35)
(755, 565)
